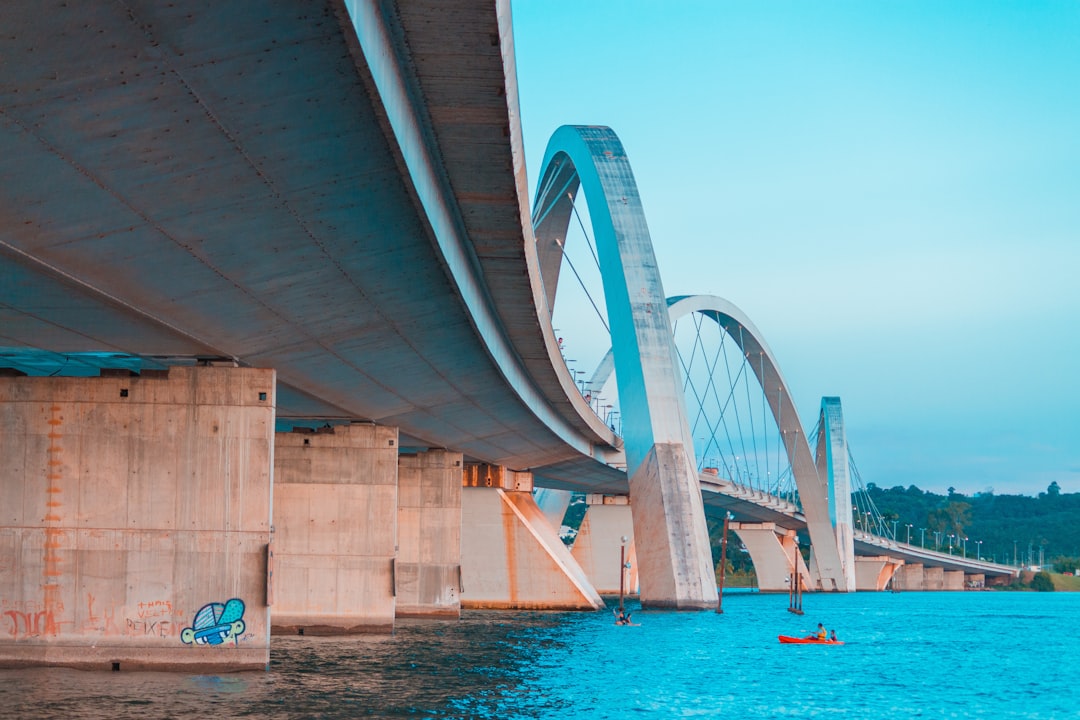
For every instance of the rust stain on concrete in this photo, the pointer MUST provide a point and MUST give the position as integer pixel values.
(509, 521)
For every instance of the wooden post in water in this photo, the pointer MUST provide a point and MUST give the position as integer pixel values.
(723, 565)
(795, 605)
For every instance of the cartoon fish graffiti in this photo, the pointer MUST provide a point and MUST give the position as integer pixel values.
(215, 623)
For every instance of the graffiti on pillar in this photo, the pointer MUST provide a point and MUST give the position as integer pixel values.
(216, 623)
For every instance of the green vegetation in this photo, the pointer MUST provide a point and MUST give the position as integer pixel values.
(1042, 582)
(1007, 529)
(1068, 583)
(1011, 528)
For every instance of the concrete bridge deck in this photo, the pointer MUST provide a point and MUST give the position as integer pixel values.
(199, 179)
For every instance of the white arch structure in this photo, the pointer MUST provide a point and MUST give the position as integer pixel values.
(672, 539)
(832, 465)
(828, 567)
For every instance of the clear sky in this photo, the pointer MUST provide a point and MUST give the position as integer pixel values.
(890, 191)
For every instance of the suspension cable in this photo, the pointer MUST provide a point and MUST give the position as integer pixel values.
(585, 232)
(582, 284)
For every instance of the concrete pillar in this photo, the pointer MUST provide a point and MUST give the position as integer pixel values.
(429, 535)
(912, 577)
(953, 580)
(511, 556)
(335, 522)
(671, 536)
(554, 504)
(775, 552)
(935, 578)
(135, 519)
(875, 573)
(599, 541)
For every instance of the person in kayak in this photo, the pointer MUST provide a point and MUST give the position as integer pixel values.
(832, 636)
(821, 633)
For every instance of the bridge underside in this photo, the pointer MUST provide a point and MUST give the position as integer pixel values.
(201, 179)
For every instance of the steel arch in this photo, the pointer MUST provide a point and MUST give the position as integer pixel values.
(669, 516)
(831, 571)
(813, 488)
(832, 466)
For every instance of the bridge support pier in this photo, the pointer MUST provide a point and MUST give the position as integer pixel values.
(775, 553)
(598, 547)
(511, 556)
(953, 580)
(912, 576)
(135, 519)
(670, 533)
(554, 504)
(935, 578)
(428, 571)
(335, 521)
(874, 573)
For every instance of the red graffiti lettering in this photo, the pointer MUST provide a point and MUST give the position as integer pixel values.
(33, 624)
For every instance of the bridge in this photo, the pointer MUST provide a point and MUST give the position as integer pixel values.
(219, 219)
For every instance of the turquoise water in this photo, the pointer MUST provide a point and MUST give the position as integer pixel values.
(908, 655)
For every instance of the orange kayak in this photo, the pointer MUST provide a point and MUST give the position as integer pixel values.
(787, 639)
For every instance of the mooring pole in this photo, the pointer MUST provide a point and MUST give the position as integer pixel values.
(723, 565)
(622, 571)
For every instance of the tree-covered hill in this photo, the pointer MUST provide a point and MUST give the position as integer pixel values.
(1009, 526)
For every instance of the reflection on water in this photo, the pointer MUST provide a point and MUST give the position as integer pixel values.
(961, 655)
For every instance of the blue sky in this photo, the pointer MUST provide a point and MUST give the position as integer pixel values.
(890, 190)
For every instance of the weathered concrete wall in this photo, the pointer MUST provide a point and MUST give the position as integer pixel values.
(598, 546)
(135, 519)
(874, 573)
(912, 577)
(511, 556)
(428, 572)
(935, 578)
(335, 527)
(953, 580)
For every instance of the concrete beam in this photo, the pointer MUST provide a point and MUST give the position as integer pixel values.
(135, 518)
(875, 573)
(775, 552)
(554, 504)
(512, 558)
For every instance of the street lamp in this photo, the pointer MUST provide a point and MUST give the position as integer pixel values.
(622, 570)
(951, 536)
(937, 540)
(978, 549)
(867, 526)
(965, 546)
(909, 526)
(894, 529)
(922, 538)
